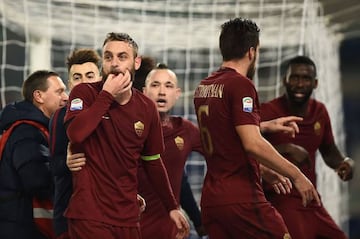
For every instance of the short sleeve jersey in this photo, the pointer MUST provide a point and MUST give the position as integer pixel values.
(105, 189)
(181, 138)
(315, 130)
(223, 101)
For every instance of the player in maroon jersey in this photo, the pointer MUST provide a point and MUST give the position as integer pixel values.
(315, 133)
(233, 202)
(115, 126)
(181, 137)
(83, 66)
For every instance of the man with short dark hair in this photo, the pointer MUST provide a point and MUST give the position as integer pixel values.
(233, 203)
(315, 133)
(24, 165)
(115, 126)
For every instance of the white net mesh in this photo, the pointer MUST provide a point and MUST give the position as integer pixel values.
(184, 34)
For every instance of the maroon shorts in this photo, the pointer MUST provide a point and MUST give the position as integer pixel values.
(84, 229)
(310, 223)
(159, 228)
(244, 221)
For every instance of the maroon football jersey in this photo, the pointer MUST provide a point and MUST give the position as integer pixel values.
(113, 138)
(314, 131)
(181, 137)
(223, 101)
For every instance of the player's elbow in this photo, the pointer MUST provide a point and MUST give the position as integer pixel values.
(252, 147)
(74, 134)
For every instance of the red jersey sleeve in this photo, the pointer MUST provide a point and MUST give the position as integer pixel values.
(243, 102)
(88, 103)
(328, 134)
(154, 143)
(158, 177)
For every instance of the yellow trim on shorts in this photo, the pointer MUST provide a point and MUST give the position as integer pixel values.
(151, 157)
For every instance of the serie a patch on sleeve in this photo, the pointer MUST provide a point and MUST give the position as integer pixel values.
(76, 104)
(247, 104)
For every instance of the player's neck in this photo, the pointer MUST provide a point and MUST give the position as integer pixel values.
(240, 66)
(165, 119)
(298, 109)
(124, 97)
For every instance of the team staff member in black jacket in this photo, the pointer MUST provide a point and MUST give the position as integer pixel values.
(24, 171)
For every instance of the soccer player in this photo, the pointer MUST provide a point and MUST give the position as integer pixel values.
(83, 67)
(181, 137)
(187, 199)
(233, 204)
(116, 127)
(315, 133)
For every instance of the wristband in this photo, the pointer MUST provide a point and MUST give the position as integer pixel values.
(349, 161)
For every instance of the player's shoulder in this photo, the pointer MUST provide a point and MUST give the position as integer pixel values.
(86, 88)
(139, 96)
(317, 102)
(272, 102)
(272, 109)
(182, 122)
(317, 105)
(142, 101)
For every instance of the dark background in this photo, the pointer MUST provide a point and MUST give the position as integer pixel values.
(350, 75)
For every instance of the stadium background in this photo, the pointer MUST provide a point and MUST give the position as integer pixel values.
(39, 34)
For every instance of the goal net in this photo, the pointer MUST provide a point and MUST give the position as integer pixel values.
(38, 34)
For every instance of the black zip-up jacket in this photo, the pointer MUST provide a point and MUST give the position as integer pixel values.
(24, 171)
(61, 173)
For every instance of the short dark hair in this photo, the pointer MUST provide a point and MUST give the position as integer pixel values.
(237, 37)
(113, 36)
(147, 64)
(161, 66)
(81, 56)
(36, 81)
(300, 60)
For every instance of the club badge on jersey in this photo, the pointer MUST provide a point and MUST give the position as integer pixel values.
(139, 128)
(76, 104)
(247, 104)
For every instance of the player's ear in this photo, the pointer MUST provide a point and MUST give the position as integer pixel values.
(137, 62)
(251, 53)
(315, 83)
(37, 96)
(178, 93)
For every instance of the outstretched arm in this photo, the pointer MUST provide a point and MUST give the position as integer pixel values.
(286, 125)
(265, 153)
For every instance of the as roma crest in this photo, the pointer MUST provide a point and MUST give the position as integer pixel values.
(179, 142)
(317, 128)
(139, 128)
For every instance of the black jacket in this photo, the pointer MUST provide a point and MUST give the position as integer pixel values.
(61, 173)
(24, 171)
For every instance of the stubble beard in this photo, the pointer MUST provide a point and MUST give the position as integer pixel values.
(296, 101)
(116, 72)
(252, 69)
